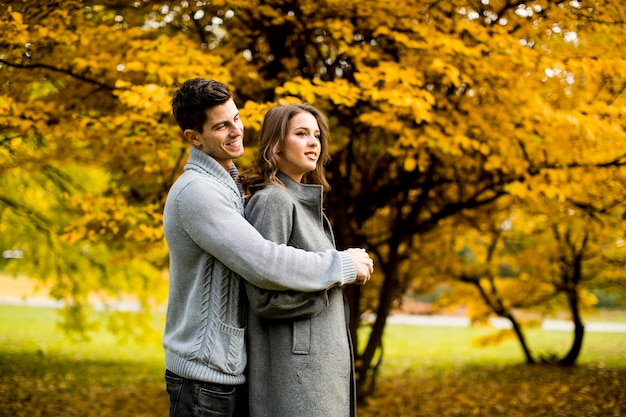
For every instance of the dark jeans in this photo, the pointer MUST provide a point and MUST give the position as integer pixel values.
(189, 398)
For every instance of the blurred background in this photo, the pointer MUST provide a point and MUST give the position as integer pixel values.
(478, 153)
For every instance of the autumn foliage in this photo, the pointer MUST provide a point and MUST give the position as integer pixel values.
(475, 143)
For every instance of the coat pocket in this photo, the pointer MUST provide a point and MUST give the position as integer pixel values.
(301, 337)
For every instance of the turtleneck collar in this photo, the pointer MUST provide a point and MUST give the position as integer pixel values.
(198, 160)
(304, 192)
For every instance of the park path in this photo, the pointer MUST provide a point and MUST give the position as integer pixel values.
(409, 319)
(500, 323)
(22, 291)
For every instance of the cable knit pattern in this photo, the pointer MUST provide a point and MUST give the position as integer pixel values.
(204, 309)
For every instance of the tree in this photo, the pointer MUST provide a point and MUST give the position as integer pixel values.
(85, 130)
(438, 109)
(534, 260)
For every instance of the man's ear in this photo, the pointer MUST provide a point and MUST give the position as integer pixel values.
(191, 136)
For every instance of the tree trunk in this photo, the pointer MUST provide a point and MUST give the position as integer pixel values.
(497, 306)
(520, 336)
(366, 373)
(579, 329)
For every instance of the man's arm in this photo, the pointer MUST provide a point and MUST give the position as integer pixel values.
(214, 224)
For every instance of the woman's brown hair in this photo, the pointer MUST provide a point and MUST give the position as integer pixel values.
(272, 138)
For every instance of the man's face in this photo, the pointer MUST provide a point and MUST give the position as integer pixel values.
(222, 134)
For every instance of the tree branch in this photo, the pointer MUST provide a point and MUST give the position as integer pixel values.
(59, 70)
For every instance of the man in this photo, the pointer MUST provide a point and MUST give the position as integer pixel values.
(211, 245)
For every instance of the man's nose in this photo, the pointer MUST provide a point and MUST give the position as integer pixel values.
(236, 130)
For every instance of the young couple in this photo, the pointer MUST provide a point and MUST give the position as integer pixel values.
(278, 272)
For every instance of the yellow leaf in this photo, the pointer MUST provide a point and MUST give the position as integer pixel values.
(410, 164)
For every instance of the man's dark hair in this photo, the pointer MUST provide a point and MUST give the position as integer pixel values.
(194, 97)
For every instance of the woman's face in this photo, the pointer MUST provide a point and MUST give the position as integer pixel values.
(302, 148)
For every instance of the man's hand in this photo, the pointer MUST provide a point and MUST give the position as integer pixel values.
(363, 263)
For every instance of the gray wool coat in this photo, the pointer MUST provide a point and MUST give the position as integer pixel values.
(300, 360)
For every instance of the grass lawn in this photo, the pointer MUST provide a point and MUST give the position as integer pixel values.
(426, 371)
(437, 348)
(43, 373)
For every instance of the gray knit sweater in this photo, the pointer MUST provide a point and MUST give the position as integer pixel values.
(211, 245)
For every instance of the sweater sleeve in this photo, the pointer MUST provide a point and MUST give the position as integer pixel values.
(208, 216)
(271, 213)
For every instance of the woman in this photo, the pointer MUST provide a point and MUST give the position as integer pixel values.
(299, 349)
